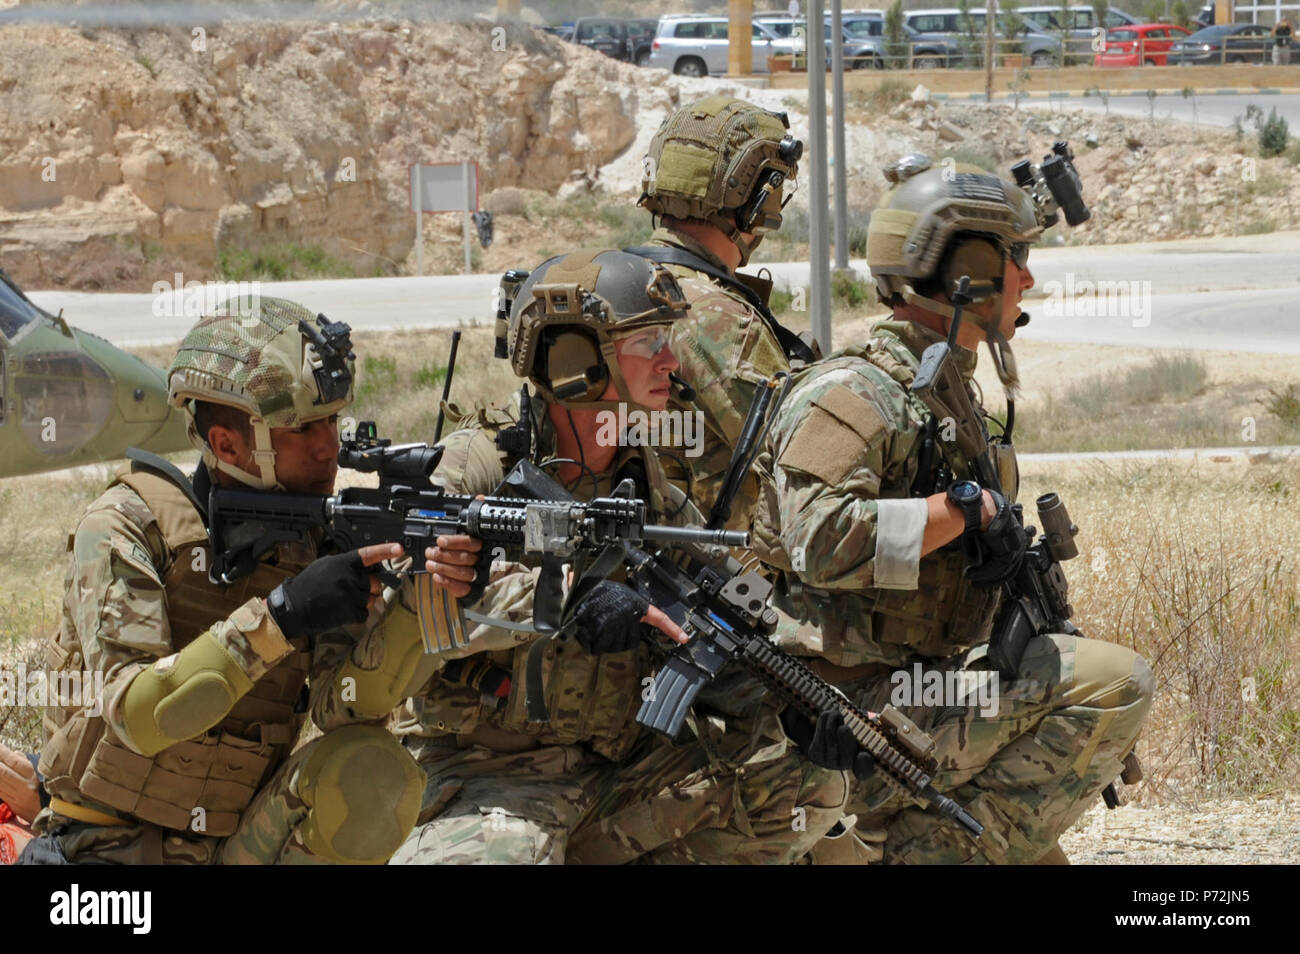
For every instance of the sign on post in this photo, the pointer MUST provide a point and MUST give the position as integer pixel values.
(443, 187)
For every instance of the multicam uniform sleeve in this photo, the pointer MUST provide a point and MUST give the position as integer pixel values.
(116, 607)
(835, 439)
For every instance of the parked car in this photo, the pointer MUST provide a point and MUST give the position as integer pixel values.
(1245, 43)
(1041, 49)
(1206, 17)
(1082, 25)
(865, 44)
(1143, 44)
(641, 34)
(693, 45)
(606, 34)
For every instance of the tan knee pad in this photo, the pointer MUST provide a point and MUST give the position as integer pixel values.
(1109, 676)
(362, 791)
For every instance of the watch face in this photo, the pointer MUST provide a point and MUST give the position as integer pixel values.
(965, 490)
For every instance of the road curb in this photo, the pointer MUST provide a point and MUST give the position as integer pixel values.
(1087, 93)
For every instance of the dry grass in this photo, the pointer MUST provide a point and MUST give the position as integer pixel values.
(1191, 566)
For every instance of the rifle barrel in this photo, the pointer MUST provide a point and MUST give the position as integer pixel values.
(658, 533)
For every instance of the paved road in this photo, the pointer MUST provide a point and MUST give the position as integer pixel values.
(1199, 288)
(1185, 453)
(1209, 110)
(1254, 321)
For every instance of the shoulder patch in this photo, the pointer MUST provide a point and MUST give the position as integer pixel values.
(832, 437)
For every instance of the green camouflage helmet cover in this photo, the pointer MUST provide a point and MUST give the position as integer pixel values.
(929, 207)
(946, 222)
(249, 354)
(601, 294)
(708, 160)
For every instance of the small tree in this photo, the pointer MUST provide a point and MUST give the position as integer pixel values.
(972, 48)
(1014, 25)
(1272, 132)
(1190, 94)
(1153, 11)
(1065, 23)
(895, 38)
(1179, 14)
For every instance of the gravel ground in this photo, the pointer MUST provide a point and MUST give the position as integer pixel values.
(1227, 832)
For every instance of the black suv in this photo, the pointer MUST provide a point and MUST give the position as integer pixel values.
(609, 35)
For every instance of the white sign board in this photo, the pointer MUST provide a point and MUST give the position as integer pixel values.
(444, 187)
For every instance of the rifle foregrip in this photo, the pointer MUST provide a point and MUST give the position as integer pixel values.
(803, 688)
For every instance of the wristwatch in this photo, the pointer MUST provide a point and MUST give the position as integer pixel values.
(968, 497)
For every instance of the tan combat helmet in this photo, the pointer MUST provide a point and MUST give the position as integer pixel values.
(725, 161)
(570, 311)
(937, 224)
(270, 358)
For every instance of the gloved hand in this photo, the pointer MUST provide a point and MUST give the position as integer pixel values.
(330, 591)
(994, 555)
(608, 620)
(828, 743)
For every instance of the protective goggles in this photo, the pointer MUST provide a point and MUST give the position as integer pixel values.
(1019, 253)
(643, 343)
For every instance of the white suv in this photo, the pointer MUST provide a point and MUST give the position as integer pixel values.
(697, 46)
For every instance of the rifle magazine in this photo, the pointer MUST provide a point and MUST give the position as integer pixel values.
(442, 622)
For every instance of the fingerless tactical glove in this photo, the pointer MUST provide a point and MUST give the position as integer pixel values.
(608, 620)
(330, 591)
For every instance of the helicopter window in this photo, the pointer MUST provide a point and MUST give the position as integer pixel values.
(64, 400)
(15, 311)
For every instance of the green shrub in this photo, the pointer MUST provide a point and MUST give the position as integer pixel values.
(278, 263)
(1285, 405)
(1272, 133)
(378, 377)
(1259, 227)
(429, 376)
(850, 290)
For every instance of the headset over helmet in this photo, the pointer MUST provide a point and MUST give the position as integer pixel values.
(270, 358)
(724, 161)
(938, 224)
(571, 309)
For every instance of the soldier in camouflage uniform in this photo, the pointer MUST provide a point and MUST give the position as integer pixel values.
(588, 785)
(857, 516)
(186, 758)
(715, 174)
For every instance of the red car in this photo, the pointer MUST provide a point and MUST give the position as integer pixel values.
(1139, 44)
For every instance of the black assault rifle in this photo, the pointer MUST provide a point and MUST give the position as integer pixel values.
(725, 613)
(407, 508)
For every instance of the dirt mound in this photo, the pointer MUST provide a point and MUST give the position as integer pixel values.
(130, 153)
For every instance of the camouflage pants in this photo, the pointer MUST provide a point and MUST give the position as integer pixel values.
(271, 830)
(1060, 733)
(744, 795)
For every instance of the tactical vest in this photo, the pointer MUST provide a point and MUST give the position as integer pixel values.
(945, 614)
(591, 699)
(219, 771)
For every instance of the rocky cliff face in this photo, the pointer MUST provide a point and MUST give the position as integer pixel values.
(127, 154)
